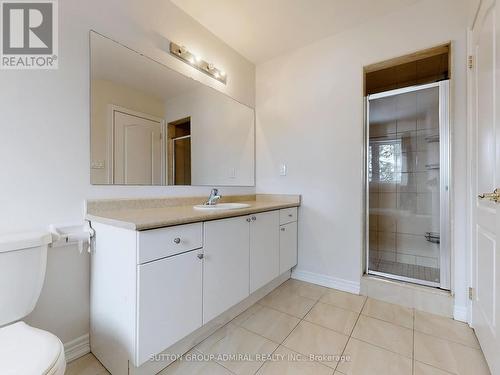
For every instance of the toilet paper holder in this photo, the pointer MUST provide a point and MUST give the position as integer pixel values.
(79, 234)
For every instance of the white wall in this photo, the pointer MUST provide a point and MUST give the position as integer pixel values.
(222, 137)
(310, 116)
(45, 135)
(104, 93)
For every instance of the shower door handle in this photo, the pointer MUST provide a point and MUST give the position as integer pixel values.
(495, 196)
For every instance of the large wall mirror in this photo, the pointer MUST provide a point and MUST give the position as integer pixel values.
(151, 125)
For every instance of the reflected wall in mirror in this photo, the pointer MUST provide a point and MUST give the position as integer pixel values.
(151, 125)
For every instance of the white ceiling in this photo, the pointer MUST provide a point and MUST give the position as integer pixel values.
(263, 29)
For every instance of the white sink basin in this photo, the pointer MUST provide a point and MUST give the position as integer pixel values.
(221, 206)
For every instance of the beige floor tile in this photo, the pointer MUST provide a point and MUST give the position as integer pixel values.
(86, 365)
(386, 335)
(323, 343)
(304, 289)
(272, 324)
(333, 317)
(237, 349)
(396, 314)
(420, 368)
(215, 337)
(362, 358)
(240, 319)
(194, 364)
(287, 302)
(345, 300)
(449, 356)
(289, 362)
(445, 328)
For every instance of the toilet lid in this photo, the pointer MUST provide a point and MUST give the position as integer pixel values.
(27, 350)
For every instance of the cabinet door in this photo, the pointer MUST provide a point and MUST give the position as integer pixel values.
(264, 249)
(169, 302)
(225, 266)
(288, 246)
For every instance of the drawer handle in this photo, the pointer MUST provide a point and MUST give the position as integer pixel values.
(248, 220)
(177, 240)
(290, 215)
(254, 218)
(282, 229)
(200, 256)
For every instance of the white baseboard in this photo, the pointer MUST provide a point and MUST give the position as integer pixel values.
(460, 313)
(328, 281)
(77, 348)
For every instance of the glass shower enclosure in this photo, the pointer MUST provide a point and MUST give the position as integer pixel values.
(407, 184)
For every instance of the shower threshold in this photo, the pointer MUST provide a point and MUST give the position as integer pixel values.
(421, 275)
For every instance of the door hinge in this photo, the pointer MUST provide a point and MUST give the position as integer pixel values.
(471, 293)
(470, 61)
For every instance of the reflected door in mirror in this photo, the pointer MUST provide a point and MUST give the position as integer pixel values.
(137, 150)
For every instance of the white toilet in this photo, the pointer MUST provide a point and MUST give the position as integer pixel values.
(25, 350)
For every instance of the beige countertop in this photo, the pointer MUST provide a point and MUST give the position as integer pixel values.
(143, 214)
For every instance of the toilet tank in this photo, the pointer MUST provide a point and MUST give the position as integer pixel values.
(23, 258)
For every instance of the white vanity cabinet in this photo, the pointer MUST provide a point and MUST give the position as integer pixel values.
(154, 288)
(264, 248)
(288, 239)
(225, 265)
(162, 319)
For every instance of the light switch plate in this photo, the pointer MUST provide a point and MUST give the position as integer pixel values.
(283, 169)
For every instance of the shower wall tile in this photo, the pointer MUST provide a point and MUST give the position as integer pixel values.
(387, 223)
(407, 202)
(387, 255)
(407, 162)
(427, 262)
(417, 224)
(416, 245)
(373, 200)
(387, 200)
(404, 258)
(382, 129)
(407, 124)
(388, 186)
(373, 222)
(427, 182)
(425, 160)
(373, 240)
(386, 241)
(423, 137)
(408, 183)
(428, 204)
(408, 141)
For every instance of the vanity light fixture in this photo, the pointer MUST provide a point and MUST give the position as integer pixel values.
(197, 62)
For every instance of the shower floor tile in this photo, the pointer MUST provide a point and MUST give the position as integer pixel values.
(406, 270)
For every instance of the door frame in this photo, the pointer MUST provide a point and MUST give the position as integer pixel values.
(446, 235)
(110, 138)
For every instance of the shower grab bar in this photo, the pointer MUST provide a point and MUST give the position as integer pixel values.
(432, 237)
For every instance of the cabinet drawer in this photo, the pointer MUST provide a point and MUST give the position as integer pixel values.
(159, 243)
(288, 215)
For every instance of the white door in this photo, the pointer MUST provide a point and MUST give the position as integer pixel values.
(137, 150)
(288, 246)
(486, 178)
(169, 302)
(264, 249)
(225, 265)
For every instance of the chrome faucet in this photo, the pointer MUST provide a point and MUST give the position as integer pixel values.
(213, 198)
